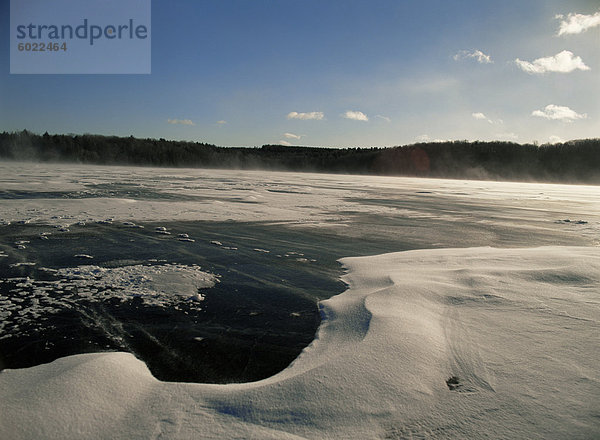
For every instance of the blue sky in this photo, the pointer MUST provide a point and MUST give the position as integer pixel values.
(335, 73)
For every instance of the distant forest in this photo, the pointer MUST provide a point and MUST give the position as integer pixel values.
(575, 161)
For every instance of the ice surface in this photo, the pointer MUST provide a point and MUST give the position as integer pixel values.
(514, 331)
(62, 195)
(164, 285)
(452, 343)
(154, 283)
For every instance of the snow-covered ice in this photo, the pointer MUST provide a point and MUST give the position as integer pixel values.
(163, 285)
(91, 194)
(458, 342)
(517, 328)
(156, 284)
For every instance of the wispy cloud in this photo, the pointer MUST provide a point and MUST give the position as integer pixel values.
(558, 112)
(482, 117)
(385, 118)
(292, 135)
(355, 115)
(577, 23)
(562, 62)
(475, 54)
(309, 115)
(181, 121)
(222, 122)
(285, 143)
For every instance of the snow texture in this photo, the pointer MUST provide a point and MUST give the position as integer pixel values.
(442, 343)
(63, 195)
(163, 285)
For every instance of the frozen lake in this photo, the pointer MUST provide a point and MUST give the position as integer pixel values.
(470, 309)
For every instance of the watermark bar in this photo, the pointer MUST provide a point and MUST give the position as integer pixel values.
(75, 36)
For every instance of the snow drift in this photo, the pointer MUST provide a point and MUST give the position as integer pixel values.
(452, 343)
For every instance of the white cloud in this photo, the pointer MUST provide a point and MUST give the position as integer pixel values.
(577, 23)
(385, 118)
(292, 135)
(476, 54)
(558, 112)
(285, 143)
(563, 62)
(355, 115)
(555, 139)
(427, 138)
(181, 121)
(310, 115)
(221, 122)
(481, 116)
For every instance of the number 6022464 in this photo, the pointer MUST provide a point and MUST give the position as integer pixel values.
(42, 47)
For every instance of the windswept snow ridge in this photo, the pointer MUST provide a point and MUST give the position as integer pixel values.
(454, 343)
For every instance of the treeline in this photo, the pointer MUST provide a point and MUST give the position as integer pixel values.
(573, 162)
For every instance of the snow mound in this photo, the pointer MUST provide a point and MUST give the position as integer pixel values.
(455, 343)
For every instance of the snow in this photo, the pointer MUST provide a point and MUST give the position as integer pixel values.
(513, 331)
(156, 284)
(163, 285)
(517, 327)
(107, 194)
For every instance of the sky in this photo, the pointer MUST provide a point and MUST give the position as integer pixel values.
(334, 73)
